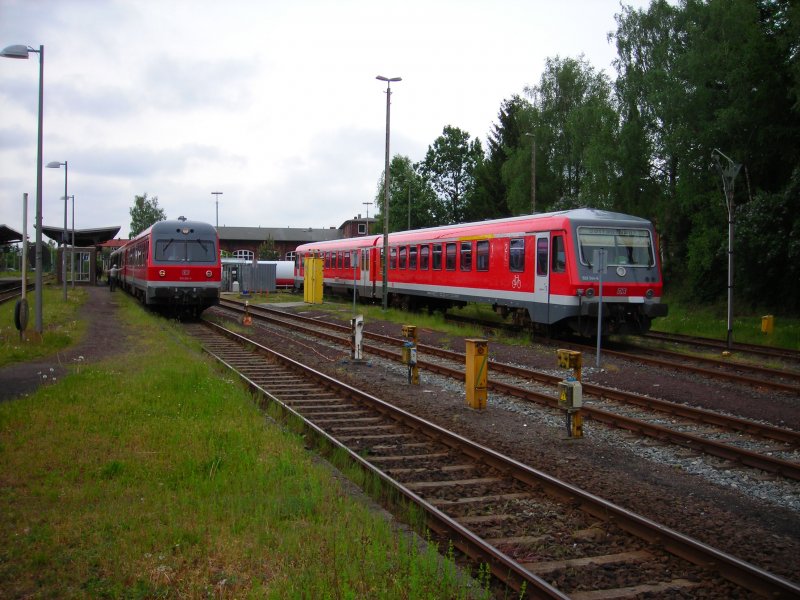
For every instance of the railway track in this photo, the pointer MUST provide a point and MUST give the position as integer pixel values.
(728, 369)
(738, 441)
(720, 345)
(535, 532)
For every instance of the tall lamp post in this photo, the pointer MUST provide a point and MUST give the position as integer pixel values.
(22, 51)
(533, 171)
(72, 252)
(367, 204)
(728, 175)
(385, 287)
(216, 196)
(55, 165)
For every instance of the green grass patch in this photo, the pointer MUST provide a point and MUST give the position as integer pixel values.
(150, 475)
(711, 321)
(61, 325)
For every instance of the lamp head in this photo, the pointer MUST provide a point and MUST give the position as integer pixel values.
(15, 51)
(54, 164)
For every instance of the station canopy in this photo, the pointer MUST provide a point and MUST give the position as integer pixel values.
(83, 237)
(8, 235)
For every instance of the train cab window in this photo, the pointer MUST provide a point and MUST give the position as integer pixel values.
(542, 246)
(466, 256)
(437, 257)
(201, 250)
(412, 257)
(392, 258)
(450, 256)
(403, 252)
(482, 256)
(516, 256)
(558, 258)
(424, 255)
(169, 250)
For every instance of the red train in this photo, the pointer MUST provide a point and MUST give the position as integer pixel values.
(538, 268)
(173, 265)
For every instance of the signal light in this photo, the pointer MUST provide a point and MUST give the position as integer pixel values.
(649, 294)
(208, 273)
(162, 273)
(590, 293)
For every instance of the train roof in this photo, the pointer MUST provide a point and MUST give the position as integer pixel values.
(508, 225)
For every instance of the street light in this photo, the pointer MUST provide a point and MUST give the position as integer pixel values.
(533, 171)
(367, 204)
(388, 81)
(217, 195)
(55, 165)
(21, 51)
(728, 175)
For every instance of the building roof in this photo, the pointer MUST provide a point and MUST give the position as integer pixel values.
(278, 234)
(83, 237)
(8, 235)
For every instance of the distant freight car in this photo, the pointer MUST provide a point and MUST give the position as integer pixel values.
(536, 268)
(173, 265)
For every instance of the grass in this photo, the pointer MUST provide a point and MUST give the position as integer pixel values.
(712, 321)
(61, 326)
(150, 475)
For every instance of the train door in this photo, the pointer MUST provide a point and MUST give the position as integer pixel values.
(363, 280)
(541, 280)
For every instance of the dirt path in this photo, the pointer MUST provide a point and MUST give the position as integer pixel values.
(102, 339)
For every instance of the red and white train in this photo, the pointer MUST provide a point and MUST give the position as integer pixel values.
(538, 268)
(173, 265)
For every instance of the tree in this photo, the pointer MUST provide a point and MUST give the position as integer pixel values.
(449, 168)
(410, 198)
(144, 213)
(267, 251)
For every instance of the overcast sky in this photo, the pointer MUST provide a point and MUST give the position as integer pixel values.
(273, 103)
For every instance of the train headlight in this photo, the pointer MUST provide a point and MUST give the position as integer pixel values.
(162, 273)
(590, 293)
(209, 273)
(649, 294)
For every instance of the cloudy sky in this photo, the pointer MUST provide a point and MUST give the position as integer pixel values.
(274, 103)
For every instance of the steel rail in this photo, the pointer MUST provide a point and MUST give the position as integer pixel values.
(722, 345)
(732, 568)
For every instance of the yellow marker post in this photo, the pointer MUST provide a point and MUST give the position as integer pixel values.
(477, 372)
(767, 324)
(410, 353)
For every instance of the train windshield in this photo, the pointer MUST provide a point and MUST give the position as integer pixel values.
(630, 247)
(185, 251)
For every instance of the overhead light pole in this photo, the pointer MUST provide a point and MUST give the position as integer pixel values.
(55, 165)
(216, 196)
(728, 175)
(385, 287)
(22, 51)
(367, 204)
(533, 171)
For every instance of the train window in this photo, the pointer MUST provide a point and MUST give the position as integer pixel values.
(365, 260)
(450, 256)
(630, 247)
(201, 250)
(403, 252)
(516, 257)
(541, 256)
(424, 253)
(437, 257)
(558, 258)
(466, 256)
(482, 256)
(412, 257)
(170, 250)
(346, 260)
(392, 258)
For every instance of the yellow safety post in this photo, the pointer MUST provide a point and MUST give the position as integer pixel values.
(477, 372)
(767, 324)
(409, 353)
(312, 280)
(570, 359)
(570, 392)
(247, 320)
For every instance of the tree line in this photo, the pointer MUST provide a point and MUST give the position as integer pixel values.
(702, 88)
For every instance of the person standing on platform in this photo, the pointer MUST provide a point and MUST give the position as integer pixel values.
(112, 277)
